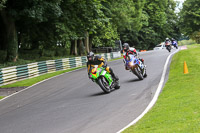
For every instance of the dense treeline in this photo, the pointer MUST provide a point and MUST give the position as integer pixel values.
(190, 19)
(78, 25)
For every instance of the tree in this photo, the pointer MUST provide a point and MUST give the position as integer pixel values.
(172, 29)
(126, 17)
(159, 21)
(25, 14)
(190, 17)
(195, 36)
(2, 2)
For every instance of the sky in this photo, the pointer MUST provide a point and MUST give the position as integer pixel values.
(180, 6)
(181, 1)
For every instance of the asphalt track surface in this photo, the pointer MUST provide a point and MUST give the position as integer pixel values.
(71, 103)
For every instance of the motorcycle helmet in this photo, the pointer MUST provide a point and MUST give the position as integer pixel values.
(126, 47)
(167, 39)
(90, 56)
(173, 39)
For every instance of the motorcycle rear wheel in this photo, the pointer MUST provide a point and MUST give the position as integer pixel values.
(117, 86)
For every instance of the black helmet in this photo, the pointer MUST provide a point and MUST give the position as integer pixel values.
(173, 39)
(126, 46)
(90, 56)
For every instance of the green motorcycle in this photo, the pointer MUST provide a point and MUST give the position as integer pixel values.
(103, 79)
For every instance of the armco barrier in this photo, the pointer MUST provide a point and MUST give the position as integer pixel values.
(16, 73)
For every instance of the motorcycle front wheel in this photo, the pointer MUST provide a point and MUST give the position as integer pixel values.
(104, 84)
(169, 49)
(138, 73)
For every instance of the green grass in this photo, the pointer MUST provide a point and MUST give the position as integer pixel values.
(178, 107)
(1, 97)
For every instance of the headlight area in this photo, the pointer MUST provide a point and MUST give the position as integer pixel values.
(131, 63)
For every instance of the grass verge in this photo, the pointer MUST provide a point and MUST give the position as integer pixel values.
(1, 97)
(178, 106)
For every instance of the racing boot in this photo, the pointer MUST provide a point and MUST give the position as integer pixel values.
(141, 60)
(114, 76)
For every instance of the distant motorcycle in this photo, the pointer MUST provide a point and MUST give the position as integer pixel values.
(103, 79)
(168, 46)
(136, 66)
(175, 44)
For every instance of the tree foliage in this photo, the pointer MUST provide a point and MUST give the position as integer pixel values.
(2, 2)
(43, 24)
(190, 19)
(158, 21)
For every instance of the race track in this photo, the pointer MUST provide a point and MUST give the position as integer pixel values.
(71, 103)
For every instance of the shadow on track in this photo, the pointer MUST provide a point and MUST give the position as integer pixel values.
(98, 94)
(132, 80)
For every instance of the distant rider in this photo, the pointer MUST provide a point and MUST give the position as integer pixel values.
(174, 43)
(129, 50)
(101, 62)
(167, 41)
(168, 44)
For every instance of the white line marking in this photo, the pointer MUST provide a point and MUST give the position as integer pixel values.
(153, 101)
(133, 94)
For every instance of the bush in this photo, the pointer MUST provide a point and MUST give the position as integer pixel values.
(48, 53)
(186, 42)
(61, 52)
(35, 54)
(28, 54)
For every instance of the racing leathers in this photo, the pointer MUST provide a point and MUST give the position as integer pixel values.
(130, 51)
(133, 52)
(175, 44)
(167, 42)
(101, 62)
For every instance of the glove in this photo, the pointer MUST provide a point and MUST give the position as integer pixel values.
(105, 64)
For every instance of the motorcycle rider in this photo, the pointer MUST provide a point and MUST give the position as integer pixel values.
(168, 44)
(174, 43)
(127, 50)
(101, 62)
(167, 41)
